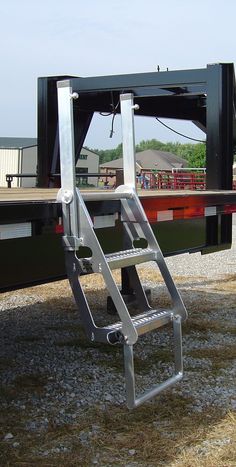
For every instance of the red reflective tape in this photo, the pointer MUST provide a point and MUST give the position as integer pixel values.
(189, 213)
(151, 215)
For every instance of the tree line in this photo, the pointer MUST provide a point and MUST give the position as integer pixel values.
(195, 154)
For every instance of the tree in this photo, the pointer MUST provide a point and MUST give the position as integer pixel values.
(195, 154)
(150, 144)
(197, 158)
(107, 155)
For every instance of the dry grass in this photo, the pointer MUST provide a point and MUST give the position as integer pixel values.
(217, 449)
(205, 325)
(221, 358)
(159, 433)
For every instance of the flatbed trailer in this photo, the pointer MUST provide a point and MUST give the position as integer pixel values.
(105, 230)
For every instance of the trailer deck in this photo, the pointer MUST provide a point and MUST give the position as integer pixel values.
(50, 194)
(29, 204)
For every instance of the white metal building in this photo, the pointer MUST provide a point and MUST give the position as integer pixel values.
(18, 156)
(88, 162)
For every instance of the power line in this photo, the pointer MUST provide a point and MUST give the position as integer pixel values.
(178, 133)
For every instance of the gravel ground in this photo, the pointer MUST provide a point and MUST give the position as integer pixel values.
(50, 372)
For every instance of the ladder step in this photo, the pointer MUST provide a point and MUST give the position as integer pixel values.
(105, 195)
(147, 321)
(130, 257)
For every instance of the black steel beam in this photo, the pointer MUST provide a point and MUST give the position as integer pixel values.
(82, 120)
(178, 107)
(26, 211)
(178, 79)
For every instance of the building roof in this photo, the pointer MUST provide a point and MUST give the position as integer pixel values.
(20, 143)
(88, 152)
(115, 164)
(149, 160)
(17, 143)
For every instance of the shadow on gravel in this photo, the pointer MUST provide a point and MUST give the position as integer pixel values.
(43, 347)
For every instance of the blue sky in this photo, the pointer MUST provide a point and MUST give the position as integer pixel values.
(90, 38)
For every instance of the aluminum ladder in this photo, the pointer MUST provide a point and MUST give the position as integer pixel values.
(79, 232)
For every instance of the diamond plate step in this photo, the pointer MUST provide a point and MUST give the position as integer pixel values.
(130, 257)
(147, 321)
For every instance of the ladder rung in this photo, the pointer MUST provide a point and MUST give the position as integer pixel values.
(147, 321)
(106, 195)
(130, 257)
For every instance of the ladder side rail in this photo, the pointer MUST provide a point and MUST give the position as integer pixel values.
(139, 217)
(133, 229)
(127, 120)
(127, 114)
(94, 333)
(100, 265)
(73, 273)
(67, 193)
(164, 270)
(130, 281)
(132, 400)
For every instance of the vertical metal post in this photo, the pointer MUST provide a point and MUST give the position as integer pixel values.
(220, 83)
(129, 376)
(127, 119)
(67, 158)
(177, 328)
(220, 112)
